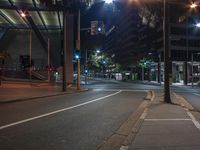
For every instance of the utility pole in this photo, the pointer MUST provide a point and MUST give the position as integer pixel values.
(78, 46)
(48, 64)
(166, 20)
(64, 86)
(159, 68)
(192, 69)
(30, 57)
(86, 67)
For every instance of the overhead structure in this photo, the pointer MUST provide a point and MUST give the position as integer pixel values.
(43, 18)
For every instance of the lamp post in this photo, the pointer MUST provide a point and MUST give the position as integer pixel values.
(64, 85)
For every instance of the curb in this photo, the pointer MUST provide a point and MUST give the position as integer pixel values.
(130, 138)
(183, 102)
(121, 139)
(37, 97)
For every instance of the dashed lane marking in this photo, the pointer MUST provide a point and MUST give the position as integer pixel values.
(177, 119)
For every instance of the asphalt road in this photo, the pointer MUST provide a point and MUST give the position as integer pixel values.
(73, 122)
(81, 121)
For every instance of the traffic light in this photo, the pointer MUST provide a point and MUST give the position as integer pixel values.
(77, 55)
(97, 27)
(94, 25)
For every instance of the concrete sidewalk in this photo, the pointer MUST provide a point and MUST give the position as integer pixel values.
(165, 127)
(20, 91)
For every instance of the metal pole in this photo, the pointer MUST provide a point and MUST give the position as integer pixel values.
(192, 70)
(48, 60)
(159, 68)
(30, 53)
(187, 46)
(78, 49)
(64, 86)
(86, 66)
(167, 98)
(142, 73)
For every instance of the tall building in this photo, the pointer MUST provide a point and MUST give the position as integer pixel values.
(131, 41)
(122, 39)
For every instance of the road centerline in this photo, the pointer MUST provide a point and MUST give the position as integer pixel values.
(176, 119)
(57, 111)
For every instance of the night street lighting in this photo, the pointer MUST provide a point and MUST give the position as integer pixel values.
(198, 25)
(193, 5)
(108, 1)
(98, 51)
(23, 15)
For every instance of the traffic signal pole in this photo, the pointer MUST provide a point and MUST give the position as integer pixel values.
(78, 49)
(64, 85)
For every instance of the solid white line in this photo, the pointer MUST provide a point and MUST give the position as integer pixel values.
(168, 119)
(196, 94)
(125, 90)
(58, 111)
(196, 123)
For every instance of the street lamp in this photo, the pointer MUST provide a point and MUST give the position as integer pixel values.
(198, 25)
(193, 5)
(98, 51)
(192, 66)
(108, 1)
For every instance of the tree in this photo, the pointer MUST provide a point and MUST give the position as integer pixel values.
(150, 15)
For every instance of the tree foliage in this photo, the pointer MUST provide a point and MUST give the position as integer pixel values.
(151, 14)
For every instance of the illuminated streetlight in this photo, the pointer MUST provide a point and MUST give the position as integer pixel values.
(108, 1)
(198, 25)
(98, 51)
(193, 5)
(23, 14)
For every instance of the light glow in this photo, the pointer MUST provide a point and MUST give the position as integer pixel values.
(108, 1)
(23, 14)
(198, 25)
(193, 5)
(98, 51)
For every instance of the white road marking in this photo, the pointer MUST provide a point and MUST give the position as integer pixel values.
(196, 123)
(58, 111)
(196, 94)
(178, 119)
(123, 90)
